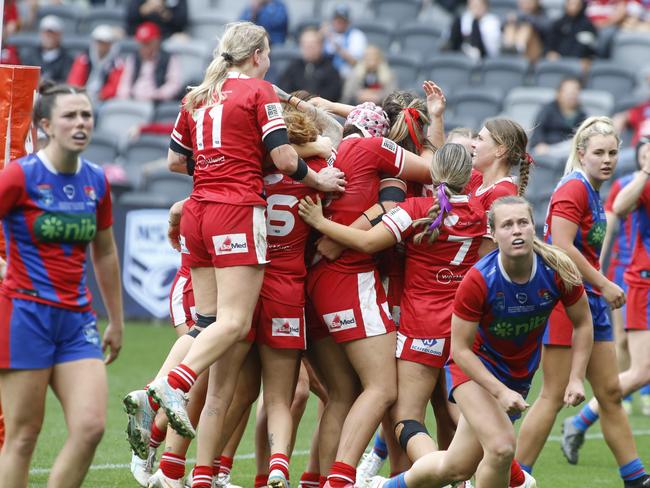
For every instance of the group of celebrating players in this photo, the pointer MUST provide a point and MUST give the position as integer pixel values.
(376, 264)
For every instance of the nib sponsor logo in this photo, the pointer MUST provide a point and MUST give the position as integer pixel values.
(230, 244)
(342, 320)
(285, 327)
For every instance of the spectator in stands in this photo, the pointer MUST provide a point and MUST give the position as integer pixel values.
(607, 16)
(10, 25)
(314, 71)
(572, 35)
(637, 118)
(638, 16)
(524, 30)
(54, 60)
(98, 69)
(169, 15)
(370, 80)
(557, 121)
(346, 44)
(151, 73)
(270, 14)
(476, 32)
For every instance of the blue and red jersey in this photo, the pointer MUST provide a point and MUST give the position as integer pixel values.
(638, 271)
(48, 219)
(623, 245)
(575, 200)
(512, 317)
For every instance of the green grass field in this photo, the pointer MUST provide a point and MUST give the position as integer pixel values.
(144, 348)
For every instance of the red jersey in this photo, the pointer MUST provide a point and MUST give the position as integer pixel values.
(505, 187)
(475, 181)
(226, 141)
(362, 160)
(600, 11)
(638, 271)
(577, 201)
(434, 271)
(287, 236)
(639, 120)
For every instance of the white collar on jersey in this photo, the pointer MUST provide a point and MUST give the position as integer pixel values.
(236, 74)
(505, 275)
(50, 167)
(459, 199)
(481, 189)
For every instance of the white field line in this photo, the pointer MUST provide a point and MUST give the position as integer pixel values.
(298, 453)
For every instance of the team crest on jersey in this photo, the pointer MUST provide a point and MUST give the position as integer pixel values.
(521, 298)
(389, 145)
(341, 320)
(545, 297)
(46, 195)
(69, 191)
(596, 235)
(230, 244)
(273, 111)
(434, 347)
(500, 301)
(285, 327)
(90, 192)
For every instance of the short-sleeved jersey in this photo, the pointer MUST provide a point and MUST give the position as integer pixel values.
(577, 201)
(638, 271)
(475, 181)
(48, 219)
(512, 317)
(363, 160)
(434, 271)
(486, 195)
(623, 245)
(226, 141)
(287, 236)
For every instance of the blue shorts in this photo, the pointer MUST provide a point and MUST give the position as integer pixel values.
(34, 335)
(616, 276)
(559, 331)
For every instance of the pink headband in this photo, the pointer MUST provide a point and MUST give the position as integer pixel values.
(369, 119)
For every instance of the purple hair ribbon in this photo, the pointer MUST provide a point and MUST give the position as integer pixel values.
(445, 206)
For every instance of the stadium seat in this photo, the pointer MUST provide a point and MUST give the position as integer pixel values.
(194, 58)
(76, 43)
(173, 185)
(283, 56)
(378, 33)
(502, 8)
(539, 200)
(451, 71)
(631, 48)
(545, 174)
(503, 72)
(140, 199)
(25, 42)
(419, 39)
(396, 11)
(208, 26)
(597, 102)
(554, 8)
(166, 112)
(475, 104)
(102, 15)
(406, 70)
(117, 117)
(102, 149)
(299, 10)
(611, 77)
(358, 8)
(551, 73)
(127, 46)
(71, 15)
(143, 150)
(523, 103)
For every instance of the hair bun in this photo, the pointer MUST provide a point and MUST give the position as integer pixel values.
(45, 86)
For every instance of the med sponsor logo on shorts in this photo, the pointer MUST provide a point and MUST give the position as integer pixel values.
(342, 320)
(435, 347)
(285, 327)
(230, 244)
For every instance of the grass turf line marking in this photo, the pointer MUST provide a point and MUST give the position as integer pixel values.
(299, 453)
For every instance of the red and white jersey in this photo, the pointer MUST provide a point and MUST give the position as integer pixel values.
(475, 181)
(226, 141)
(486, 195)
(364, 161)
(600, 11)
(287, 236)
(434, 271)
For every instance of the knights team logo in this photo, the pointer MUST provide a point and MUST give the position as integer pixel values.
(341, 320)
(89, 191)
(46, 197)
(150, 263)
(545, 297)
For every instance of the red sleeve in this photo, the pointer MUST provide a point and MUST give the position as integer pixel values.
(12, 188)
(78, 75)
(470, 300)
(644, 198)
(399, 220)
(569, 297)
(181, 133)
(105, 209)
(269, 110)
(635, 116)
(388, 156)
(609, 203)
(570, 201)
(503, 189)
(475, 180)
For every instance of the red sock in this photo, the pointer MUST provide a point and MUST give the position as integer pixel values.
(181, 377)
(516, 474)
(321, 481)
(309, 480)
(152, 403)
(202, 477)
(216, 466)
(157, 435)
(261, 480)
(226, 464)
(342, 475)
(281, 462)
(172, 465)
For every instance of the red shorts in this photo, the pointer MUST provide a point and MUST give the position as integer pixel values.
(559, 330)
(221, 235)
(638, 308)
(430, 352)
(280, 326)
(316, 328)
(352, 306)
(181, 301)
